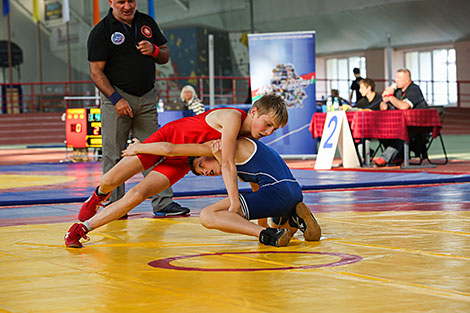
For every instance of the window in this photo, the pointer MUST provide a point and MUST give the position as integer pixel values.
(339, 74)
(435, 73)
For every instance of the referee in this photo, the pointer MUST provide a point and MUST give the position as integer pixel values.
(122, 50)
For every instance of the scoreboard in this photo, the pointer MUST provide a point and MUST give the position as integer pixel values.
(83, 128)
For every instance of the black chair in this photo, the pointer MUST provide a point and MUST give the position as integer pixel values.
(380, 148)
(421, 142)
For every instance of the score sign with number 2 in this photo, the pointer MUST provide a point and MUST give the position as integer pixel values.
(332, 128)
(336, 133)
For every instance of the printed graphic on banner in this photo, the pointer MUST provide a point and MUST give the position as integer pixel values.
(286, 82)
(284, 64)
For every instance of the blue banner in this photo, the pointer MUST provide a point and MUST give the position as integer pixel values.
(284, 63)
(6, 7)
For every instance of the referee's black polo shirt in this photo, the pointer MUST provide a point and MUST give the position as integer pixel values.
(115, 42)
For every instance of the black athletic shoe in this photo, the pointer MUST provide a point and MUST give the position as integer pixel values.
(303, 219)
(172, 209)
(277, 237)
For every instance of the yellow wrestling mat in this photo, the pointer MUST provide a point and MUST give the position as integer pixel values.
(402, 261)
(8, 181)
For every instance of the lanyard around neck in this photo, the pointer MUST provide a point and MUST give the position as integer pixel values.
(128, 34)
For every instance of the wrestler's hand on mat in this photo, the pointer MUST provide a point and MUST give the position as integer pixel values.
(132, 148)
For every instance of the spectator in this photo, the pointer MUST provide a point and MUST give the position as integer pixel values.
(335, 95)
(371, 100)
(191, 101)
(355, 86)
(122, 50)
(403, 95)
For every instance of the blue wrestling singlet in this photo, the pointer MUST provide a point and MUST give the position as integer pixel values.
(279, 191)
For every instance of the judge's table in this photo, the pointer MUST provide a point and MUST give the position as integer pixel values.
(392, 124)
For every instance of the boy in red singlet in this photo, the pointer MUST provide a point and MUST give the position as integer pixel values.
(265, 116)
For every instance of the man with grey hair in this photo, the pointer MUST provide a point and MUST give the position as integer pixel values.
(402, 95)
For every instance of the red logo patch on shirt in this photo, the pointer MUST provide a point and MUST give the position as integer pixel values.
(146, 31)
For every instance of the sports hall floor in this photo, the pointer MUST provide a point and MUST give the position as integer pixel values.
(393, 241)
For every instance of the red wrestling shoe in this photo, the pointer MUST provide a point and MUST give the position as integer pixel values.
(380, 162)
(73, 236)
(92, 205)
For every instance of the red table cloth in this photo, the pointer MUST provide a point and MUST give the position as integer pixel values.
(392, 124)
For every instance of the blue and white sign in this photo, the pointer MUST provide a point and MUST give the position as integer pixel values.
(336, 134)
(284, 64)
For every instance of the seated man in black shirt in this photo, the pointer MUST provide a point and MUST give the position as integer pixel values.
(371, 100)
(403, 95)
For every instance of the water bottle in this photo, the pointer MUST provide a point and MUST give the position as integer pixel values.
(336, 105)
(329, 104)
(160, 106)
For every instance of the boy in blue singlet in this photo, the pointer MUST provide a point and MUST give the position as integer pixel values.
(277, 193)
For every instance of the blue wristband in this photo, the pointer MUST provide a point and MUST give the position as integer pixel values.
(115, 97)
